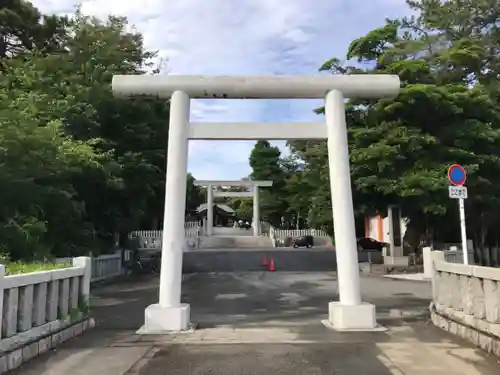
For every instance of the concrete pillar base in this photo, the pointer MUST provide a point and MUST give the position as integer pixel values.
(162, 320)
(352, 318)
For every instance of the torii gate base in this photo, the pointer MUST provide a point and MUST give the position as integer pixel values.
(350, 313)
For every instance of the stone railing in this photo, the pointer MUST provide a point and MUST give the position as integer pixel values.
(105, 266)
(42, 310)
(466, 301)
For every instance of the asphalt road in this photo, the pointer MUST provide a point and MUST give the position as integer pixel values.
(286, 259)
(263, 323)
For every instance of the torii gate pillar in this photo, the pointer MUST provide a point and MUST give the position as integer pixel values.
(256, 211)
(349, 313)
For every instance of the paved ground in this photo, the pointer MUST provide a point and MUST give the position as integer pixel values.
(409, 276)
(265, 323)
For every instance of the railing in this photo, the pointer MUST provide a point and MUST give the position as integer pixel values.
(281, 237)
(151, 239)
(36, 304)
(191, 229)
(487, 256)
(104, 266)
(284, 233)
(466, 301)
(457, 256)
(265, 228)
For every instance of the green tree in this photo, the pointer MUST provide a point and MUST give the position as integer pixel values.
(243, 207)
(265, 161)
(309, 187)
(446, 113)
(78, 165)
(40, 214)
(194, 195)
(23, 29)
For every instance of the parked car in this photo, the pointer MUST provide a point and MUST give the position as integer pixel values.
(304, 241)
(244, 224)
(367, 243)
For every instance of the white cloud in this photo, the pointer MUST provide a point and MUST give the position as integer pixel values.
(243, 37)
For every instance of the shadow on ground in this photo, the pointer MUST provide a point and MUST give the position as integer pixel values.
(120, 306)
(265, 359)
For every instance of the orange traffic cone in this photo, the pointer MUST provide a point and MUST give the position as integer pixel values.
(264, 261)
(271, 265)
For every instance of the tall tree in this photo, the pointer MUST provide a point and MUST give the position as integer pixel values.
(265, 162)
(24, 29)
(446, 113)
(194, 195)
(77, 164)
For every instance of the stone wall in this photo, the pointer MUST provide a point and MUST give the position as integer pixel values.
(466, 301)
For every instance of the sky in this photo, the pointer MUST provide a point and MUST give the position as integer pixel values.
(242, 37)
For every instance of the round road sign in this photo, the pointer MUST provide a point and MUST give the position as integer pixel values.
(457, 174)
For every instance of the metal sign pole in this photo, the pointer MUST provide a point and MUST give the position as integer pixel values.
(457, 176)
(461, 208)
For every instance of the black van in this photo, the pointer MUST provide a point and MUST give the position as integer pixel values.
(304, 241)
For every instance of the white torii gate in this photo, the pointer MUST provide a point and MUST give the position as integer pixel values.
(254, 192)
(169, 314)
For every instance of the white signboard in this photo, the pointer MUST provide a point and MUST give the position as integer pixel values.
(457, 192)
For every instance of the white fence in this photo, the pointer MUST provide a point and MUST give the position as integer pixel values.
(36, 304)
(279, 237)
(152, 238)
(193, 229)
(285, 233)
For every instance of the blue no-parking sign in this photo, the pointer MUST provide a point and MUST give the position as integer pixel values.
(457, 174)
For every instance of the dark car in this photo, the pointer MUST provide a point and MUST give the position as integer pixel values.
(367, 243)
(304, 241)
(244, 225)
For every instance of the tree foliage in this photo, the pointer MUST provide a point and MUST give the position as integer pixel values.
(77, 165)
(265, 161)
(447, 57)
(447, 112)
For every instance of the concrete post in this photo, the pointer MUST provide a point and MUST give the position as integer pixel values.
(428, 263)
(256, 211)
(86, 264)
(435, 257)
(210, 210)
(349, 313)
(169, 314)
(2, 283)
(391, 231)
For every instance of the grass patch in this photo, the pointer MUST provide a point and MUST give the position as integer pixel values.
(16, 268)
